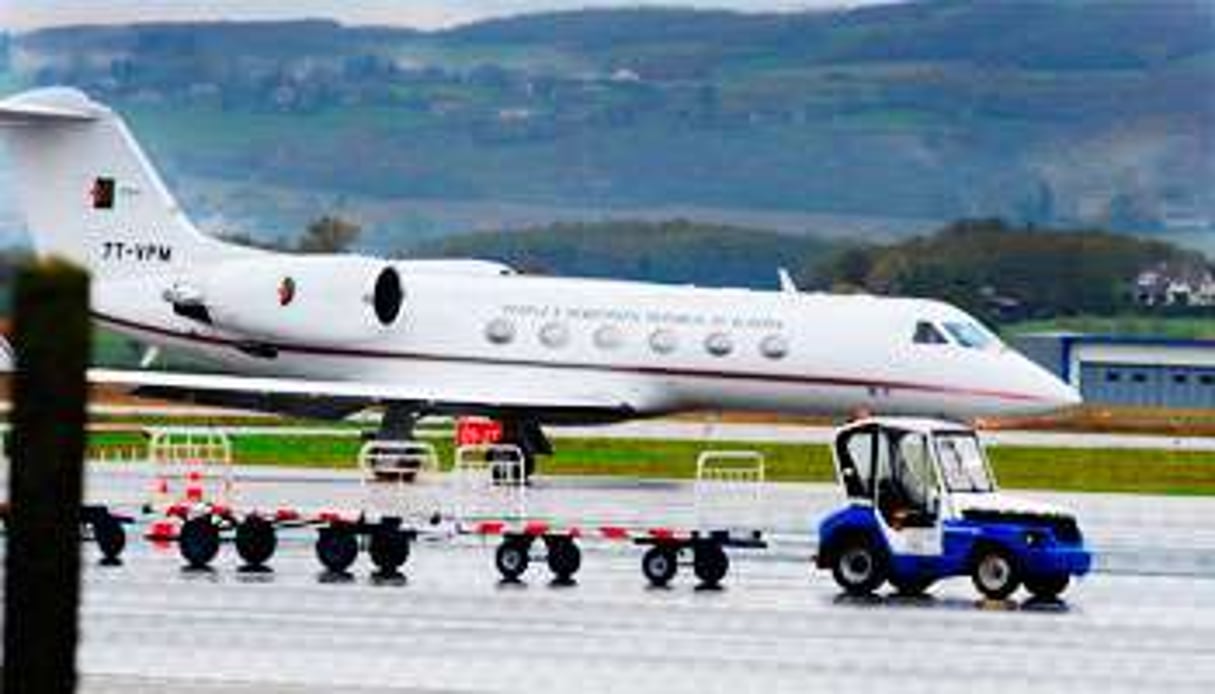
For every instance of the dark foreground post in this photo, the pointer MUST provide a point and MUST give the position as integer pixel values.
(46, 446)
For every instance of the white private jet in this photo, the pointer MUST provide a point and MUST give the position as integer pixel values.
(332, 334)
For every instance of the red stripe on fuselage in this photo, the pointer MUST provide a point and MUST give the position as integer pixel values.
(318, 350)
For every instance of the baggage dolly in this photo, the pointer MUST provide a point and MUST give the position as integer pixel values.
(705, 551)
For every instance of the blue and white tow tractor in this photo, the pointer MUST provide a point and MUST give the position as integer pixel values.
(923, 505)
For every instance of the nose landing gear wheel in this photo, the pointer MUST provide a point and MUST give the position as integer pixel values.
(659, 566)
(336, 548)
(198, 542)
(256, 541)
(995, 573)
(512, 559)
(710, 564)
(858, 567)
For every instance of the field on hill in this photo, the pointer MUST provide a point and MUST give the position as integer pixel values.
(1043, 111)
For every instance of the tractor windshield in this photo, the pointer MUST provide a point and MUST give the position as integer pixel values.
(962, 463)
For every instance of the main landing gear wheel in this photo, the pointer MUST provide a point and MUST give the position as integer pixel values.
(659, 566)
(389, 550)
(256, 541)
(336, 548)
(564, 558)
(198, 542)
(710, 564)
(994, 573)
(858, 566)
(512, 559)
(1047, 588)
(110, 537)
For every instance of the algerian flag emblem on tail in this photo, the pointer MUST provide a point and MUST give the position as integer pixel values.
(102, 193)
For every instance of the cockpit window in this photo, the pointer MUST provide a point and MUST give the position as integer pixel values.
(927, 334)
(970, 335)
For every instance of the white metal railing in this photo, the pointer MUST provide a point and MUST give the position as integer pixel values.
(729, 489)
(402, 460)
(730, 466)
(488, 481)
(192, 465)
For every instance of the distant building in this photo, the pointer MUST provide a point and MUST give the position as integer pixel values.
(1165, 285)
(1124, 370)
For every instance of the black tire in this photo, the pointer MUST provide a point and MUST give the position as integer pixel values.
(710, 564)
(564, 558)
(512, 559)
(994, 572)
(198, 542)
(858, 565)
(1048, 587)
(256, 541)
(110, 536)
(911, 586)
(389, 549)
(336, 548)
(659, 564)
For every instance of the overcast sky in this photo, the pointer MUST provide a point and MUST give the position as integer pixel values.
(27, 14)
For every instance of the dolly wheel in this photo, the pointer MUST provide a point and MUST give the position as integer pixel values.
(512, 558)
(256, 541)
(1047, 587)
(994, 573)
(659, 566)
(198, 541)
(336, 548)
(564, 558)
(710, 564)
(859, 567)
(110, 536)
(389, 549)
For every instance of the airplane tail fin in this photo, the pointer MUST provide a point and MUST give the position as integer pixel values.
(89, 193)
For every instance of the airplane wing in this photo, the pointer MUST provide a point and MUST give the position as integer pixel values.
(335, 399)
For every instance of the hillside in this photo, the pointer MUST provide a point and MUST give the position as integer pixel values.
(674, 252)
(1064, 112)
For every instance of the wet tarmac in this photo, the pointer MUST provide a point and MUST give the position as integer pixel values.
(1145, 621)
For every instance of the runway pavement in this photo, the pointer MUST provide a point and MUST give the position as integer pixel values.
(1144, 622)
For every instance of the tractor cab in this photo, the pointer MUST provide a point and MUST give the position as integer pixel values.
(923, 505)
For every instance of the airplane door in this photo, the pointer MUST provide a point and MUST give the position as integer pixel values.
(907, 493)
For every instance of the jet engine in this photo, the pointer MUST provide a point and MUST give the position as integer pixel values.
(321, 299)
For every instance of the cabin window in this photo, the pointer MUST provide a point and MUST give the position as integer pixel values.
(554, 335)
(1139, 377)
(719, 344)
(1206, 380)
(500, 331)
(927, 334)
(774, 347)
(663, 341)
(1112, 377)
(608, 337)
(1180, 379)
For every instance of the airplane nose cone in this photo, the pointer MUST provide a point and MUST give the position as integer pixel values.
(1069, 396)
(1054, 393)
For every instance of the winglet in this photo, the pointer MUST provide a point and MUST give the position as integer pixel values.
(787, 285)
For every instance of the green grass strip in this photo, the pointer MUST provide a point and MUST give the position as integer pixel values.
(1061, 469)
